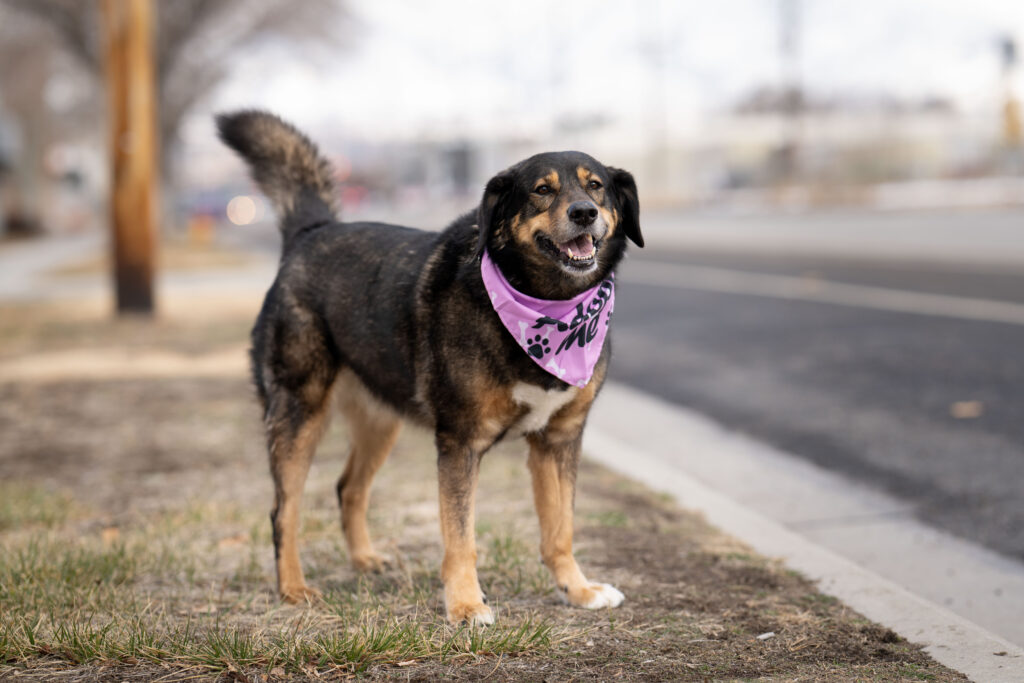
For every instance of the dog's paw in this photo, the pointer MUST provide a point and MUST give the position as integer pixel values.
(370, 562)
(300, 594)
(477, 614)
(595, 596)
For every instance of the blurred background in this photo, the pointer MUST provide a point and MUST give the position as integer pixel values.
(832, 195)
(743, 105)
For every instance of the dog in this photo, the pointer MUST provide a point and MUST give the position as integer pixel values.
(398, 324)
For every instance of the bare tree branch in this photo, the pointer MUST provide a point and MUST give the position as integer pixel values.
(75, 23)
(197, 41)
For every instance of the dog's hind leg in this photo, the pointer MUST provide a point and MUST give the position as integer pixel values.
(294, 430)
(293, 434)
(294, 374)
(373, 429)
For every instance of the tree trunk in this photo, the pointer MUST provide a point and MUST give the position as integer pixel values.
(133, 146)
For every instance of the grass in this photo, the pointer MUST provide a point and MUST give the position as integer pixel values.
(511, 567)
(135, 601)
(31, 506)
(296, 647)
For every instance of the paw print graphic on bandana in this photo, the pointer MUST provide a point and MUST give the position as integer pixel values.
(538, 347)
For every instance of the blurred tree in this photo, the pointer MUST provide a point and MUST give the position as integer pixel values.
(197, 41)
(35, 110)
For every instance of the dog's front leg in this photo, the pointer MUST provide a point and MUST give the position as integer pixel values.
(553, 470)
(458, 465)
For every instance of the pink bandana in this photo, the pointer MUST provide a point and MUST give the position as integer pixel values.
(564, 337)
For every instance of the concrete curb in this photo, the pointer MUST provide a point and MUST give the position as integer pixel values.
(951, 639)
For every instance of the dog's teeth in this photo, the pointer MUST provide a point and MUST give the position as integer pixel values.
(569, 249)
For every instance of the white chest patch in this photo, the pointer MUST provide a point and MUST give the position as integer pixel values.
(542, 404)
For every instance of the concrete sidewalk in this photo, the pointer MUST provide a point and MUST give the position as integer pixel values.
(28, 274)
(858, 544)
(24, 264)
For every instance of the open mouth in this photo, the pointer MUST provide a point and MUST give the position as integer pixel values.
(577, 253)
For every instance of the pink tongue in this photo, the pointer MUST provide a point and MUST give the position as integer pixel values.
(582, 246)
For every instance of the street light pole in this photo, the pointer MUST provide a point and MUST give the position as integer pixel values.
(128, 31)
(1011, 107)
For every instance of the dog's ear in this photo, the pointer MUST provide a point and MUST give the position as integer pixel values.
(628, 203)
(493, 204)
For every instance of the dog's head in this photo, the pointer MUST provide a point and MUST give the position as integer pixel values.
(559, 220)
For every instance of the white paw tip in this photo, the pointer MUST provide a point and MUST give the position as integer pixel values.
(481, 615)
(481, 619)
(605, 595)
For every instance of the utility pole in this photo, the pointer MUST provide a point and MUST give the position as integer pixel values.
(128, 32)
(791, 90)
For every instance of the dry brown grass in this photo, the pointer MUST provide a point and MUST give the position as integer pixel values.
(172, 254)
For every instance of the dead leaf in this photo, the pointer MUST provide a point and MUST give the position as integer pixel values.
(232, 541)
(966, 410)
(205, 609)
(110, 535)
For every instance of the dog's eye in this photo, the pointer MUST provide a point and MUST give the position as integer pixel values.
(542, 189)
(595, 185)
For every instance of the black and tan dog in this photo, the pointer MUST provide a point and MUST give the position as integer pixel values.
(397, 324)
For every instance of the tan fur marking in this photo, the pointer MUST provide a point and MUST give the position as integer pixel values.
(551, 179)
(524, 232)
(494, 411)
(610, 216)
(611, 219)
(553, 492)
(566, 424)
(552, 463)
(584, 175)
(463, 598)
(290, 462)
(373, 429)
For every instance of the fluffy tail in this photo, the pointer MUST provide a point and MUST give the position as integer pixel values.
(286, 165)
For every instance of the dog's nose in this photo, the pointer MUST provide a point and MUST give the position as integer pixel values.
(582, 213)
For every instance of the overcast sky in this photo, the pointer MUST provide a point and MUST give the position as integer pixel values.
(417, 68)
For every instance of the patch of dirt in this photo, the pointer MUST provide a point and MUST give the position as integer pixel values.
(172, 255)
(190, 327)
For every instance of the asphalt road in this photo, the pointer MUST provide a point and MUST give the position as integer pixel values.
(908, 376)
